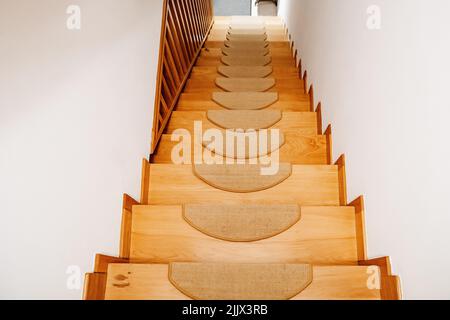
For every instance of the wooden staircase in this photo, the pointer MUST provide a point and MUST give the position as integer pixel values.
(330, 235)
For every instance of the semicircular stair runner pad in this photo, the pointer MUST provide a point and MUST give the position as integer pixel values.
(209, 281)
(242, 223)
(246, 61)
(246, 44)
(245, 72)
(247, 37)
(245, 84)
(245, 52)
(244, 119)
(245, 100)
(241, 178)
(252, 147)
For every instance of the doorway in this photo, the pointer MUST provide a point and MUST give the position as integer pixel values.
(233, 7)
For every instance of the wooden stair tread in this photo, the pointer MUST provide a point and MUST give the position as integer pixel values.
(246, 61)
(198, 101)
(209, 58)
(280, 54)
(216, 43)
(244, 72)
(150, 282)
(291, 122)
(209, 86)
(245, 84)
(245, 52)
(308, 185)
(324, 235)
(327, 237)
(212, 73)
(246, 37)
(297, 149)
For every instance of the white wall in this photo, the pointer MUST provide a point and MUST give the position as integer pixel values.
(386, 94)
(76, 111)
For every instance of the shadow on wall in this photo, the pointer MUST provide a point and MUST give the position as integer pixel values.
(232, 7)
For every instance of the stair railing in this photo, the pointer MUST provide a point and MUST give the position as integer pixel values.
(185, 28)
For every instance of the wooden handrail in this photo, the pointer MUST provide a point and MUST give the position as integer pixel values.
(184, 30)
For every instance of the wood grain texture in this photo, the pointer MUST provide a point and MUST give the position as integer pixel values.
(212, 72)
(185, 28)
(360, 223)
(125, 230)
(311, 97)
(208, 86)
(297, 149)
(102, 261)
(244, 84)
(308, 185)
(94, 286)
(324, 235)
(390, 285)
(328, 134)
(319, 118)
(246, 61)
(342, 180)
(145, 180)
(198, 101)
(150, 282)
(292, 122)
(305, 82)
(245, 72)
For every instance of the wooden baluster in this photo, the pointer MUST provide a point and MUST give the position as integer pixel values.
(185, 26)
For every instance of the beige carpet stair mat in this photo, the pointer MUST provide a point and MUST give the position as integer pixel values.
(242, 223)
(245, 84)
(245, 119)
(247, 37)
(246, 61)
(206, 281)
(245, 72)
(241, 178)
(245, 100)
(245, 52)
(247, 145)
(251, 45)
